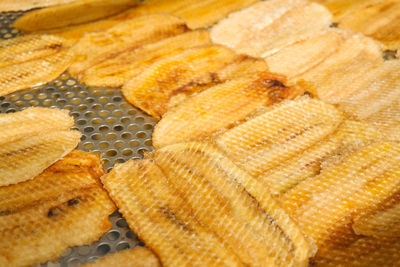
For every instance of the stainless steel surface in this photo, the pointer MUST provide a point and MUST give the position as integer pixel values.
(109, 125)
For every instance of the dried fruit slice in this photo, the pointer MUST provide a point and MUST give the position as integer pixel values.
(234, 205)
(267, 26)
(64, 206)
(343, 72)
(169, 80)
(220, 107)
(25, 158)
(114, 72)
(358, 183)
(34, 72)
(162, 219)
(313, 51)
(280, 133)
(30, 47)
(291, 172)
(136, 257)
(72, 13)
(94, 48)
(11, 5)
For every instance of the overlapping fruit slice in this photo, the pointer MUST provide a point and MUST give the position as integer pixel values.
(221, 107)
(170, 80)
(267, 26)
(11, 5)
(233, 205)
(64, 206)
(136, 257)
(114, 71)
(95, 48)
(32, 140)
(158, 214)
(29, 61)
(72, 13)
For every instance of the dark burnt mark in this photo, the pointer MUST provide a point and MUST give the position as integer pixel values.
(55, 46)
(307, 93)
(334, 25)
(53, 212)
(274, 83)
(73, 202)
(27, 149)
(172, 217)
(389, 54)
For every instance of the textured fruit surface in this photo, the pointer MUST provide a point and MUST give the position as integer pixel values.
(11, 5)
(62, 207)
(221, 107)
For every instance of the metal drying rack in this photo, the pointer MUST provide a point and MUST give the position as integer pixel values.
(109, 125)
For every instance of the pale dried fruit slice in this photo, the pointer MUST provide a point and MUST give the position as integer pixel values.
(233, 205)
(115, 71)
(304, 54)
(156, 212)
(94, 48)
(357, 183)
(34, 72)
(220, 107)
(280, 133)
(30, 47)
(72, 13)
(267, 26)
(64, 206)
(135, 257)
(31, 121)
(343, 73)
(25, 158)
(12, 5)
(171, 79)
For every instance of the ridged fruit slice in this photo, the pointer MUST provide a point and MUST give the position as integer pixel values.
(136, 257)
(64, 206)
(171, 79)
(30, 47)
(356, 184)
(233, 205)
(25, 158)
(94, 48)
(221, 107)
(341, 74)
(34, 72)
(70, 14)
(12, 5)
(308, 163)
(31, 121)
(267, 26)
(114, 72)
(280, 133)
(156, 212)
(304, 54)
(377, 19)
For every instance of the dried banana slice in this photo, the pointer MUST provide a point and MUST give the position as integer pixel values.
(304, 54)
(72, 13)
(32, 60)
(267, 26)
(343, 73)
(280, 133)
(95, 48)
(136, 257)
(114, 72)
(220, 107)
(233, 205)
(12, 5)
(356, 184)
(64, 206)
(31, 121)
(32, 140)
(171, 79)
(162, 219)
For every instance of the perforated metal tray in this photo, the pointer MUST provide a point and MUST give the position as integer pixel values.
(109, 125)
